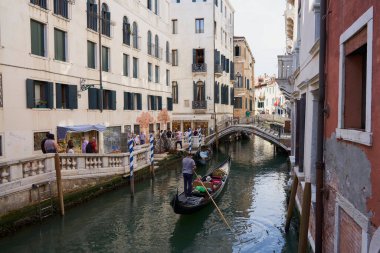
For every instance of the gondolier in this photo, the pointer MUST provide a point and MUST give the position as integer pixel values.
(188, 167)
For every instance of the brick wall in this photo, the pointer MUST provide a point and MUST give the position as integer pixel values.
(350, 234)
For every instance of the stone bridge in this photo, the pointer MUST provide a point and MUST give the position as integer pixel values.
(275, 137)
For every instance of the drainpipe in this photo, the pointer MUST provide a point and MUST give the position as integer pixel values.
(320, 165)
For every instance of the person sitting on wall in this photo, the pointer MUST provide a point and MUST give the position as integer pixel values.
(70, 147)
(50, 144)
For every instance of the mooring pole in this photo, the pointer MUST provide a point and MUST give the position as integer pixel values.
(131, 177)
(151, 141)
(304, 226)
(292, 202)
(57, 164)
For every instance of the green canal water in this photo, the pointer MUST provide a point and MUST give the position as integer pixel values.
(253, 203)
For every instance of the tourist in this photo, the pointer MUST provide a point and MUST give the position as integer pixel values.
(137, 140)
(142, 138)
(70, 147)
(50, 144)
(43, 143)
(169, 134)
(178, 139)
(188, 167)
(84, 144)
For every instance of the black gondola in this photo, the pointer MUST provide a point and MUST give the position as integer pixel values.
(188, 205)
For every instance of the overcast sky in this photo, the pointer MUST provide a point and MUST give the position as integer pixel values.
(261, 22)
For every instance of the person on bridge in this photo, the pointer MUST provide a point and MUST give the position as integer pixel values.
(188, 167)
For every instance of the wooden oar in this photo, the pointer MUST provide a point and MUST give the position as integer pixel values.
(220, 212)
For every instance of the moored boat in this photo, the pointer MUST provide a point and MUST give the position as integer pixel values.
(214, 182)
(203, 155)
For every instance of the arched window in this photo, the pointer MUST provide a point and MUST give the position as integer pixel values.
(126, 31)
(106, 20)
(200, 91)
(167, 52)
(135, 35)
(149, 42)
(156, 51)
(92, 18)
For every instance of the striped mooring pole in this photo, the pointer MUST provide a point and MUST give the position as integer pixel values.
(190, 140)
(200, 139)
(132, 181)
(151, 142)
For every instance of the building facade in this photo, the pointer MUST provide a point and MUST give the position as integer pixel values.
(49, 71)
(244, 63)
(202, 57)
(269, 99)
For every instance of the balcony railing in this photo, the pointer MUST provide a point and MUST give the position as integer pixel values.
(201, 104)
(199, 67)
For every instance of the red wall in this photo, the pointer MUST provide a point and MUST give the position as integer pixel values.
(342, 14)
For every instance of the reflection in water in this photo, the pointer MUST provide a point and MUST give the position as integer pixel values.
(253, 203)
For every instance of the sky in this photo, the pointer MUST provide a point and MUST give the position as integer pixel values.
(262, 23)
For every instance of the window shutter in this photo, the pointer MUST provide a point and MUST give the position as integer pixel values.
(203, 98)
(108, 23)
(113, 100)
(125, 100)
(194, 53)
(30, 93)
(159, 103)
(170, 104)
(56, 10)
(88, 14)
(93, 99)
(139, 103)
(149, 103)
(194, 91)
(154, 98)
(232, 96)
(49, 92)
(73, 97)
(65, 8)
(58, 95)
(95, 13)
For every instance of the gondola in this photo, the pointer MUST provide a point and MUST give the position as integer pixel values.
(214, 181)
(203, 155)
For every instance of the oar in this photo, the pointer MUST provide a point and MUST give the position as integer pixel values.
(220, 212)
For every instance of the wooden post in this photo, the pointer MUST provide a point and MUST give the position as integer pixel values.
(304, 226)
(59, 184)
(292, 202)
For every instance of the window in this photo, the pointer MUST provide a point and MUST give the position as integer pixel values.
(237, 51)
(169, 103)
(41, 3)
(260, 105)
(355, 81)
(199, 25)
(175, 57)
(125, 65)
(156, 6)
(157, 47)
(175, 92)
(91, 52)
(105, 59)
(149, 4)
(37, 139)
(154, 102)
(174, 26)
(39, 94)
(135, 36)
(157, 74)
(150, 70)
(317, 18)
(59, 45)
(199, 91)
(126, 32)
(238, 103)
(167, 52)
(198, 56)
(37, 31)
(132, 101)
(106, 20)
(109, 99)
(167, 77)
(149, 41)
(66, 96)
(61, 8)
(135, 67)
(216, 93)
(216, 2)
(92, 15)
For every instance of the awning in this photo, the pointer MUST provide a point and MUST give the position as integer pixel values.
(62, 130)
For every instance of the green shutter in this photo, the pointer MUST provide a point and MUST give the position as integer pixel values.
(59, 45)
(49, 95)
(30, 93)
(93, 99)
(37, 38)
(113, 100)
(203, 98)
(194, 91)
(194, 55)
(72, 97)
(58, 96)
(159, 103)
(139, 102)
(149, 101)
(125, 100)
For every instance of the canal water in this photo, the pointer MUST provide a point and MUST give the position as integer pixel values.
(253, 203)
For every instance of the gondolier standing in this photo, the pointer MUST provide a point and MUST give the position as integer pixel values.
(188, 167)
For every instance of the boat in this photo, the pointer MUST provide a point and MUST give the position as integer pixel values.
(203, 155)
(214, 181)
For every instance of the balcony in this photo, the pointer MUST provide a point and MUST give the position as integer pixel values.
(199, 67)
(201, 104)
(218, 70)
